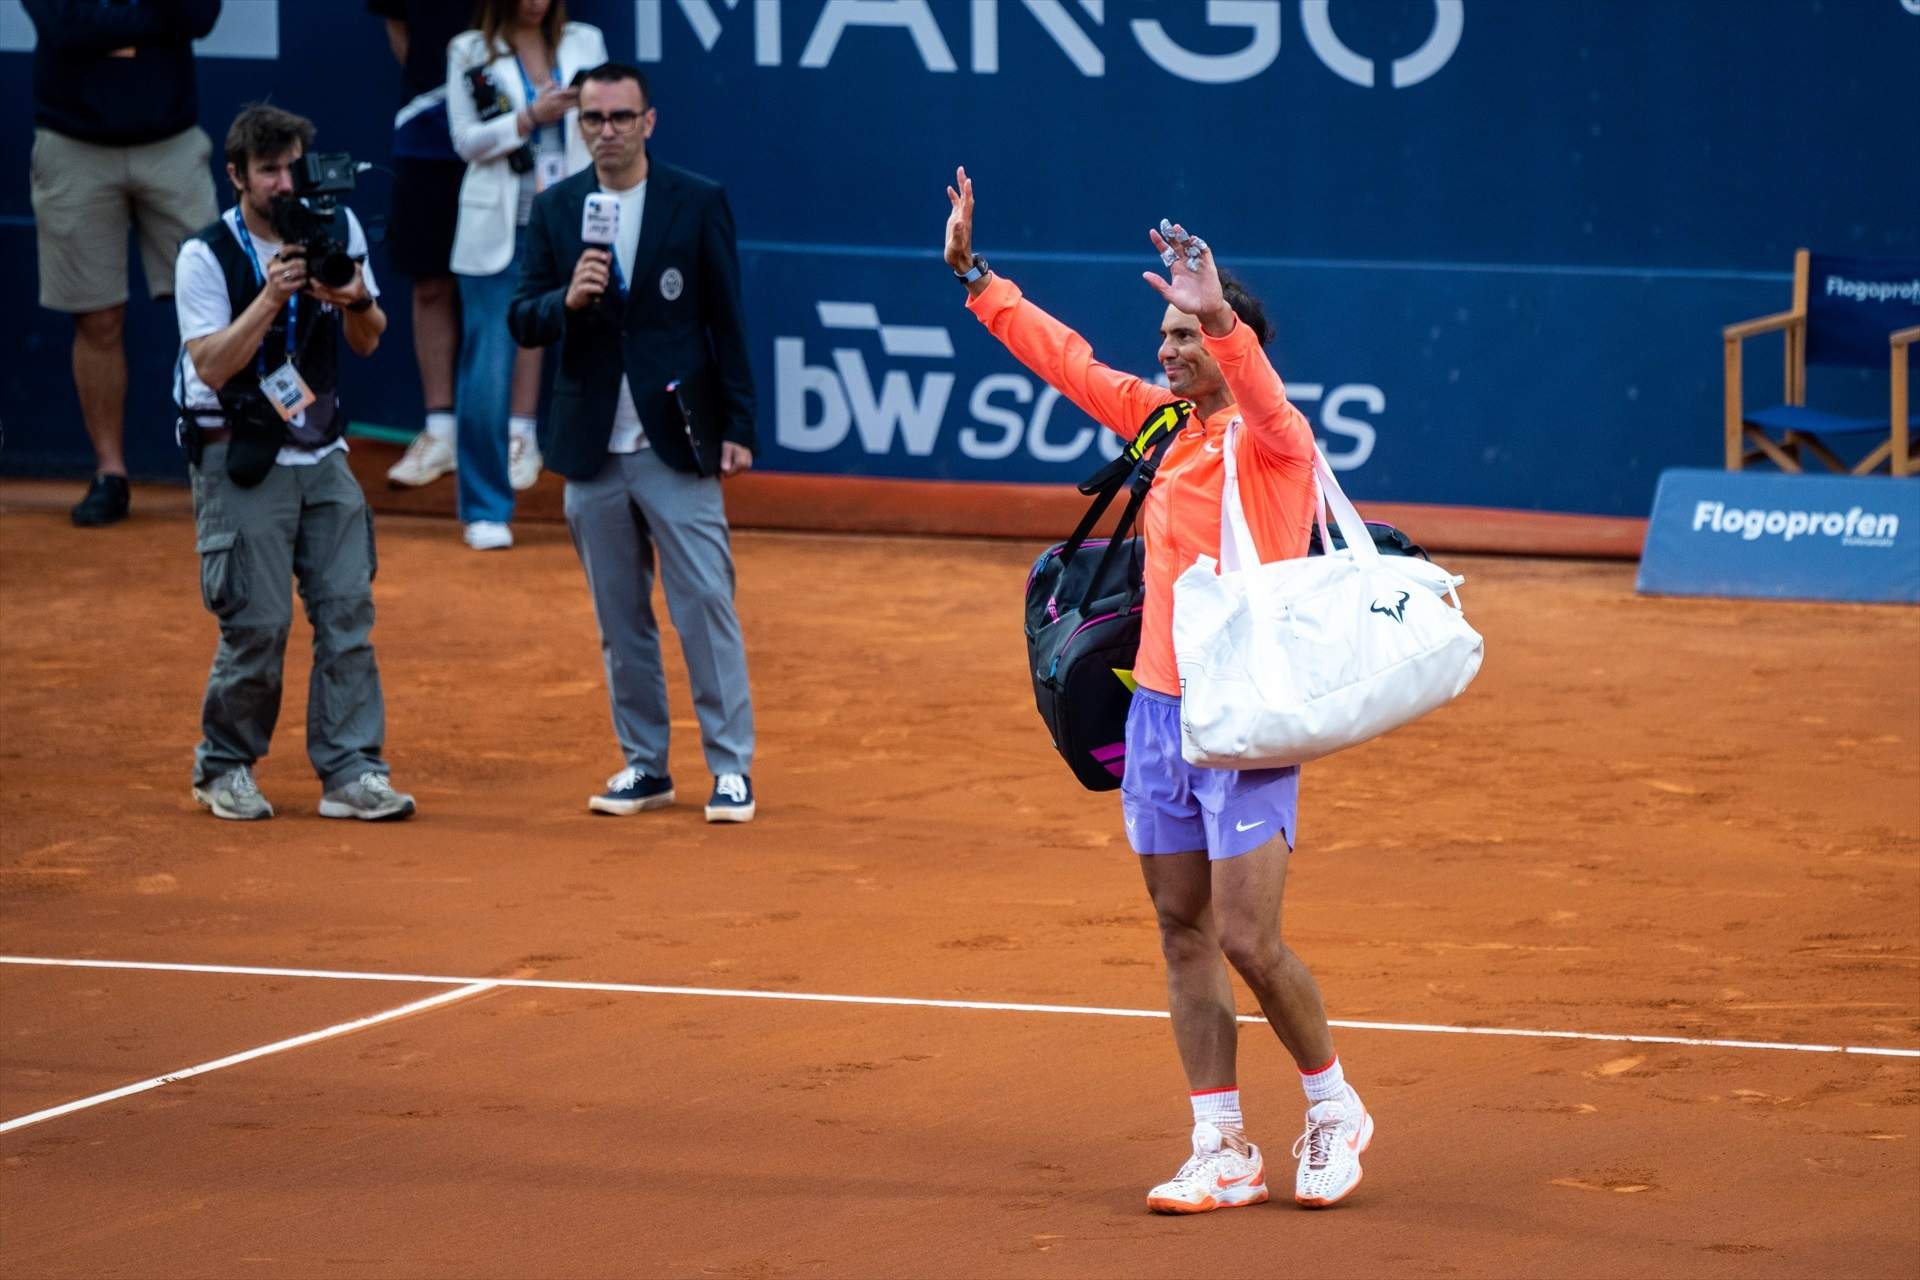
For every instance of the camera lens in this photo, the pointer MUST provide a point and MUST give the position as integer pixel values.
(334, 270)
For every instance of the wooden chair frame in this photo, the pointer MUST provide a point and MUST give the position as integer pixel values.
(1896, 452)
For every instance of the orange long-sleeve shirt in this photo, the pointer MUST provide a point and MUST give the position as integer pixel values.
(1181, 520)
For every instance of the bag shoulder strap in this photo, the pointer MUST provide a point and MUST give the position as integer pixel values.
(1143, 458)
(1237, 549)
(1146, 448)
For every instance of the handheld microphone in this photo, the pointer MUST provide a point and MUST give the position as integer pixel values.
(600, 226)
(600, 220)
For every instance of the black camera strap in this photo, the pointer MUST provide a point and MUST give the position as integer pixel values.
(291, 325)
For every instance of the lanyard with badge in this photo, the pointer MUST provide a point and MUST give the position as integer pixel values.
(552, 165)
(285, 389)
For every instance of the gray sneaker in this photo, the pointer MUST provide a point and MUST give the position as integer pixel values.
(370, 797)
(234, 796)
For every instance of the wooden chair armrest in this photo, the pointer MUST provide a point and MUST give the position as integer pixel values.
(1765, 324)
(1905, 337)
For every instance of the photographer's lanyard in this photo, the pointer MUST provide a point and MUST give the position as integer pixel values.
(239, 225)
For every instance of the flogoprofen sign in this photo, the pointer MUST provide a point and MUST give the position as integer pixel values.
(1719, 533)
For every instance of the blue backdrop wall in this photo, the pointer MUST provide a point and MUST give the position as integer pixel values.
(1499, 236)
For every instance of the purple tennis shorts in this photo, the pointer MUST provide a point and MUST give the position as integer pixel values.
(1175, 807)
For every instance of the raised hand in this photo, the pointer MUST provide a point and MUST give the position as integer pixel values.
(1193, 283)
(960, 221)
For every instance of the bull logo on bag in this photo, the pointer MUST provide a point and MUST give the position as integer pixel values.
(1397, 610)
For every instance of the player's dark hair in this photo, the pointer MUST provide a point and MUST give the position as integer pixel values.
(1247, 307)
(264, 130)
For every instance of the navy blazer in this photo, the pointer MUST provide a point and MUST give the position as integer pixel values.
(681, 323)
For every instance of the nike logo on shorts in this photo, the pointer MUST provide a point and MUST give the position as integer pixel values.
(1248, 826)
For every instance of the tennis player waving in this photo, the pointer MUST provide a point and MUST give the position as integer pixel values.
(1213, 843)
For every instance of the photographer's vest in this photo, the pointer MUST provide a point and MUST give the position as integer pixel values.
(316, 337)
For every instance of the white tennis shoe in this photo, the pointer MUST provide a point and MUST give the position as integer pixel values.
(523, 461)
(1214, 1177)
(426, 460)
(1329, 1151)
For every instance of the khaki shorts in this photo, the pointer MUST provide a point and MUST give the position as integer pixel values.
(83, 196)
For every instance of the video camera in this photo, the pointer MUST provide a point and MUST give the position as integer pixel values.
(307, 216)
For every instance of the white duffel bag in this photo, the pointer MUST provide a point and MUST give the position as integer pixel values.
(1286, 662)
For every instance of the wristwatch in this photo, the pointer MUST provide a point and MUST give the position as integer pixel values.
(978, 271)
(362, 305)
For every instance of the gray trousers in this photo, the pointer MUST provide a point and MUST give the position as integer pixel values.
(638, 504)
(309, 523)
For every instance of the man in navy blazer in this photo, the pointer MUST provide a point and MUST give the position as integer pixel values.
(652, 406)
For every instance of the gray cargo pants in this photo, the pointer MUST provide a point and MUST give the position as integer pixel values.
(310, 523)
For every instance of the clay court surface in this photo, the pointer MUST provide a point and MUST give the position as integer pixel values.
(1692, 819)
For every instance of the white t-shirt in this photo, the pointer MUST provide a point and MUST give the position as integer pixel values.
(201, 304)
(627, 434)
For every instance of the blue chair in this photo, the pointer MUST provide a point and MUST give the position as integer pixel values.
(1857, 313)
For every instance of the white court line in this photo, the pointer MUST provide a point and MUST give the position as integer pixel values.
(278, 1046)
(725, 993)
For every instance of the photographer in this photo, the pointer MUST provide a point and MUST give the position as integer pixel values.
(263, 295)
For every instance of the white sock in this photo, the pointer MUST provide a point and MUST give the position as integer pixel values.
(1219, 1108)
(440, 424)
(521, 426)
(1328, 1084)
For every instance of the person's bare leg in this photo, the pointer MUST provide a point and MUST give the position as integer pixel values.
(526, 383)
(100, 376)
(436, 338)
(1199, 993)
(1247, 895)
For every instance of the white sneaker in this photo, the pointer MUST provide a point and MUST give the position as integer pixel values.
(488, 535)
(523, 461)
(1329, 1151)
(426, 460)
(1214, 1177)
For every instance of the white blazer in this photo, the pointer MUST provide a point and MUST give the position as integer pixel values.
(490, 193)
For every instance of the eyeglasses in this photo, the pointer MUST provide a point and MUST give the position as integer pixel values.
(622, 121)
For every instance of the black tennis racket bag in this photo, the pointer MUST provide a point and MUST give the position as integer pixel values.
(1084, 597)
(1389, 540)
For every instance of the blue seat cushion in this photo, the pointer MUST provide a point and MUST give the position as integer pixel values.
(1814, 422)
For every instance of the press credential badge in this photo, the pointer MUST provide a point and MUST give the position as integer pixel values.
(287, 391)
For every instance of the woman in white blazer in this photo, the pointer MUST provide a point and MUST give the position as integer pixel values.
(512, 116)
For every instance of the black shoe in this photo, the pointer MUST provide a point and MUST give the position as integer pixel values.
(631, 791)
(105, 503)
(732, 799)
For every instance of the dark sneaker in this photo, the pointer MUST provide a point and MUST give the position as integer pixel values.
(370, 798)
(233, 796)
(105, 503)
(732, 799)
(631, 791)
